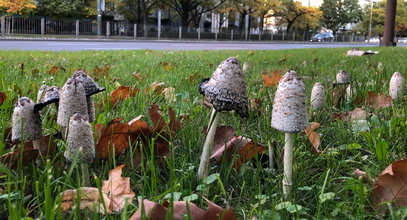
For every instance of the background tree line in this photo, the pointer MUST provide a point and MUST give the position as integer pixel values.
(287, 14)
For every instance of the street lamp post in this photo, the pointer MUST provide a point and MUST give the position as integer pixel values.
(99, 18)
(370, 21)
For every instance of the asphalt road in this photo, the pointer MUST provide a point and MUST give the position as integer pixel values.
(54, 45)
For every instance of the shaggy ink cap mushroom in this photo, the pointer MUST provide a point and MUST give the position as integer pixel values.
(342, 77)
(91, 87)
(317, 96)
(396, 85)
(80, 140)
(26, 123)
(46, 96)
(72, 100)
(289, 110)
(226, 89)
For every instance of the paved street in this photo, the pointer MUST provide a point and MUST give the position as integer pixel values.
(162, 45)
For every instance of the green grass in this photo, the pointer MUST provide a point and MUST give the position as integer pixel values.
(33, 190)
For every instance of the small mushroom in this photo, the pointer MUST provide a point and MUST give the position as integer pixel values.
(247, 67)
(226, 90)
(72, 100)
(396, 85)
(290, 116)
(27, 124)
(46, 95)
(342, 77)
(317, 96)
(80, 144)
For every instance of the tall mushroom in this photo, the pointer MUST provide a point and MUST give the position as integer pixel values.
(290, 116)
(396, 85)
(317, 96)
(246, 67)
(46, 95)
(91, 88)
(27, 124)
(339, 93)
(80, 144)
(226, 90)
(72, 100)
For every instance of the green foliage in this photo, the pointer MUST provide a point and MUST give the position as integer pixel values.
(61, 8)
(338, 13)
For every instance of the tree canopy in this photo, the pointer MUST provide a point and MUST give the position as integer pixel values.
(337, 13)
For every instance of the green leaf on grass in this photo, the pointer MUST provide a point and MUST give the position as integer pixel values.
(326, 196)
(381, 150)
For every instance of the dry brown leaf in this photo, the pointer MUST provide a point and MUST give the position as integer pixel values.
(356, 114)
(245, 148)
(155, 211)
(122, 93)
(156, 117)
(2, 97)
(379, 101)
(113, 138)
(223, 135)
(175, 123)
(255, 105)
(338, 94)
(53, 71)
(157, 88)
(391, 187)
(272, 79)
(169, 94)
(137, 75)
(115, 191)
(167, 66)
(101, 71)
(313, 136)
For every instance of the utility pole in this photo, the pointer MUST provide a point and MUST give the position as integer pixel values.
(389, 23)
(99, 17)
(370, 21)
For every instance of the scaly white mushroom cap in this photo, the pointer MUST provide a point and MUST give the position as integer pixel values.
(317, 96)
(342, 77)
(289, 110)
(26, 123)
(226, 90)
(246, 67)
(80, 140)
(396, 85)
(72, 100)
(46, 95)
(91, 87)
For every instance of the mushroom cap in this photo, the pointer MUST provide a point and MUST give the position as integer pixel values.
(396, 85)
(246, 67)
(80, 140)
(46, 95)
(317, 96)
(289, 109)
(26, 123)
(342, 77)
(91, 87)
(226, 90)
(72, 100)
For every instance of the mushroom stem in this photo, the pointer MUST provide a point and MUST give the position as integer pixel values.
(288, 164)
(85, 174)
(41, 146)
(64, 132)
(207, 148)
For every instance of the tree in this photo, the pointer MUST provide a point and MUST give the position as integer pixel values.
(61, 8)
(13, 7)
(337, 13)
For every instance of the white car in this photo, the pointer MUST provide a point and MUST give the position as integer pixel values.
(402, 40)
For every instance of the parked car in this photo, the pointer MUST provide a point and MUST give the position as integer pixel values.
(373, 40)
(321, 37)
(402, 40)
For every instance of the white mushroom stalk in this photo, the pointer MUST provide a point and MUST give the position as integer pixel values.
(317, 96)
(226, 90)
(290, 116)
(80, 144)
(396, 86)
(27, 124)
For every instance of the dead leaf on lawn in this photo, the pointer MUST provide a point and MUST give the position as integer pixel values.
(391, 187)
(313, 136)
(255, 105)
(102, 71)
(356, 114)
(378, 101)
(55, 70)
(115, 191)
(272, 79)
(137, 75)
(113, 139)
(2, 97)
(122, 93)
(169, 94)
(151, 210)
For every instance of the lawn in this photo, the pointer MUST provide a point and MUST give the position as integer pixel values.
(324, 184)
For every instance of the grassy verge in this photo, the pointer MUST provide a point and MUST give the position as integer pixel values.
(32, 191)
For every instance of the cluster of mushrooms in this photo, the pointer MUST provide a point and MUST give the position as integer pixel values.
(226, 90)
(75, 111)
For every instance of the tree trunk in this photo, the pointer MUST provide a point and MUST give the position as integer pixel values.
(144, 13)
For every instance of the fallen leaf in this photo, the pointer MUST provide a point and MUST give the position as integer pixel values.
(113, 139)
(272, 79)
(114, 193)
(391, 187)
(379, 101)
(169, 94)
(255, 105)
(166, 65)
(157, 88)
(2, 97)
(137, 75)
(356, 114)
(122, 93)
(180, 209)
(101, 71)
(357, 52)
(53, 71)
(313, 136)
